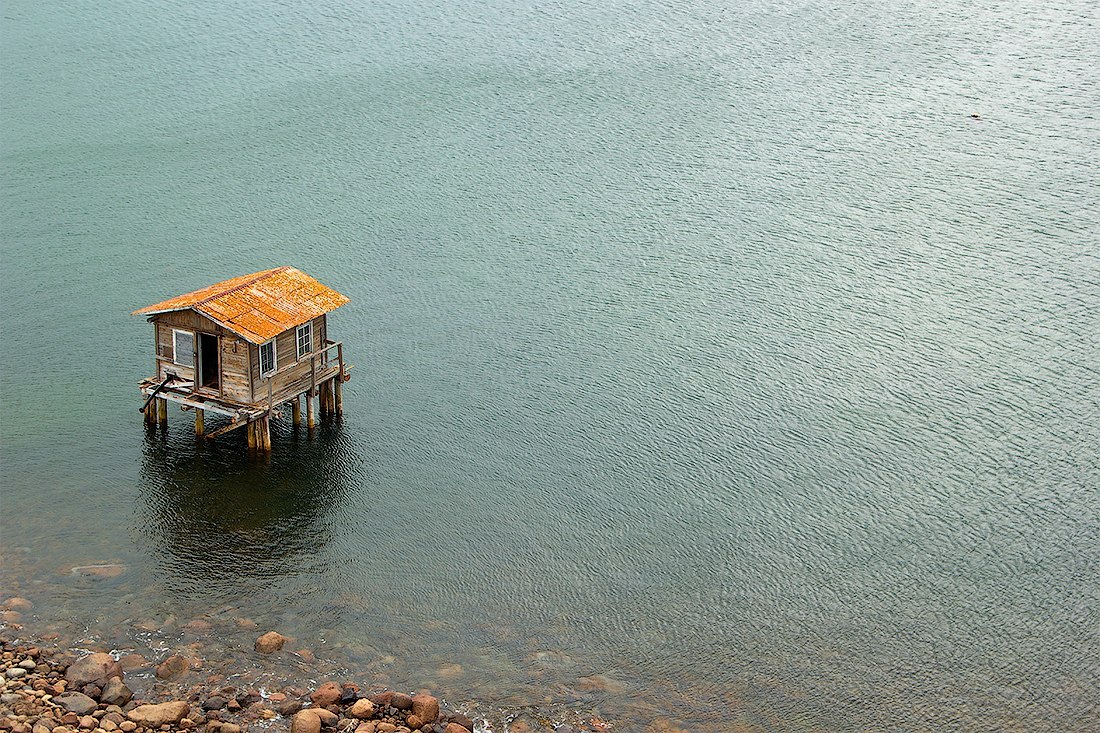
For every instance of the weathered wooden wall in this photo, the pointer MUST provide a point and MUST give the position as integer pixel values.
(235, 384)
(240, 360)
(235, 369)
(286, 354)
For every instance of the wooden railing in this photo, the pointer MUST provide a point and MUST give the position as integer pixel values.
(323, 355)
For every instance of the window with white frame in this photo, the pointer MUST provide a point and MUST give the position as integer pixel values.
(267, 358)
(183, 348)
(305, 339)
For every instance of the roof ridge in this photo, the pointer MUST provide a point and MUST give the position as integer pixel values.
(240, 286)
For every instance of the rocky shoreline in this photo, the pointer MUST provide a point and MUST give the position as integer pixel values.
(48, 688)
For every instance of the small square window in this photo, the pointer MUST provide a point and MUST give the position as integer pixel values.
(305, 339)
(183, 348)
(267, 358)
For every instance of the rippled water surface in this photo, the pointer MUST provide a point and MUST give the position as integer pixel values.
(717, 364)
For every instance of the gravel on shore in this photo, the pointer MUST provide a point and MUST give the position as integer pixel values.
(51, 690)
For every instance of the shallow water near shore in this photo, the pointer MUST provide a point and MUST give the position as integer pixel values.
(715, 366)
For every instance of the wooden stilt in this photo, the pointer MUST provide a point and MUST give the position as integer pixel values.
(262, 427)
(338, 385)
(151, 414)
(252, 435)
(200, 422)
(162, 410)
(311, 421)
(296, 406)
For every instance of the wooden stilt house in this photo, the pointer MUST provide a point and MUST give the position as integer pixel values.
(244, 347)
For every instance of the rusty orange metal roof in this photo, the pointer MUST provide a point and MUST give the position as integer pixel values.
(257, 307)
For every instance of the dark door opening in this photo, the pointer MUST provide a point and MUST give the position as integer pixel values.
(208, 361)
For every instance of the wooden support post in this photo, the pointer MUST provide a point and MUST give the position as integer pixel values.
(200, 422)
(252, 435)
(296, 408)
(338, 385)
(263, 434)
(162, 410)
(312, 391)
(151, 414)
(325, 400)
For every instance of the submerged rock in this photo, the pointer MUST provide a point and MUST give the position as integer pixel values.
(98, 572)
(173, 667)
(17, 603)
(270, 642)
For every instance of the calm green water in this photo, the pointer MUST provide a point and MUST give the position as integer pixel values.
(713, 349)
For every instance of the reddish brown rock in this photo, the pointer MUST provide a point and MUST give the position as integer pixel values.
(327, 694)
(414, 722)
(270, 642)
(401, 701)
(456, 728)
(154, 716)
(93, 669)
(133, 661)
(425, 707)
(381, 699)
(17, 603)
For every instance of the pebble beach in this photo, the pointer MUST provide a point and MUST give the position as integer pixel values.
(51, 685)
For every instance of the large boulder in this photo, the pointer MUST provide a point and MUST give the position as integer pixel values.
(327, 694)
(426, 708)
(154, 716)
(93, 669)
(74, 702)
(305, 721)
(116, 692)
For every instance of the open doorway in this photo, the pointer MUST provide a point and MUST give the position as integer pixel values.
(208, 371)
